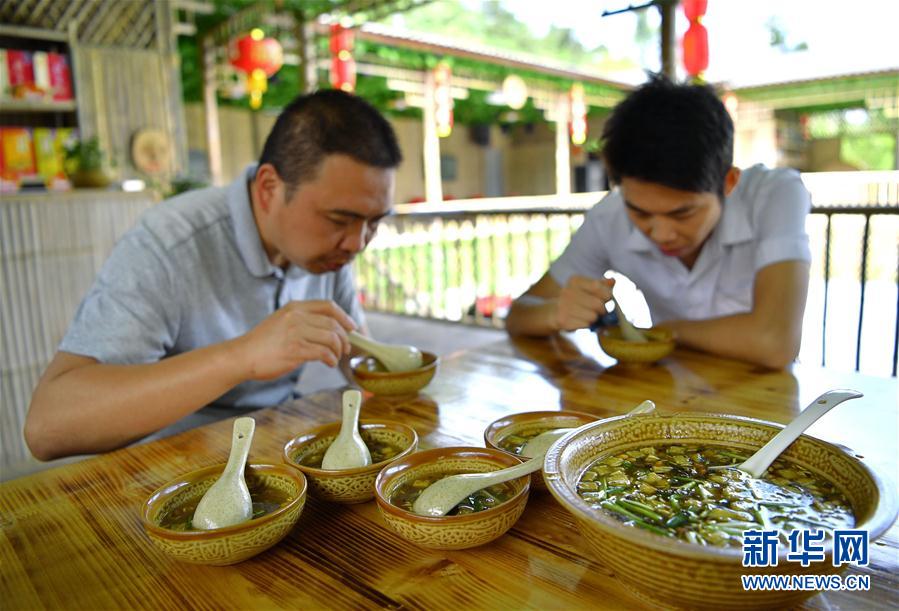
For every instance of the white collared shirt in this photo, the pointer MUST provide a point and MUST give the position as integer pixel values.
(762, 222)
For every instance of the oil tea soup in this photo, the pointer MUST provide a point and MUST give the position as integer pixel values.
(694, 493)
(487, 498)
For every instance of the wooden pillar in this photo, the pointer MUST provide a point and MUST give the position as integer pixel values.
(305, 35)
(669, 49)
(563, 158)
(431, 148)
(210, 105)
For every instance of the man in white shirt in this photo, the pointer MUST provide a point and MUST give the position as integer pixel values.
(720, 254)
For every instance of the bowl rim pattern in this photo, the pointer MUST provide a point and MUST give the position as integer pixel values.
(430, 362)
(191, 478)
(290, 447)
(880, 520)
(435, 455)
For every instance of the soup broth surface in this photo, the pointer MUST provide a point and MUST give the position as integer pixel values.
(488, 498)
(693, 493)
(379, 450)
(265, 501)
(515, 442)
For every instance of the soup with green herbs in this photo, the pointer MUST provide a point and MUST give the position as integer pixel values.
(265, 501)
(380, 451)
(488, 498)
(515, 442)
(693, 493)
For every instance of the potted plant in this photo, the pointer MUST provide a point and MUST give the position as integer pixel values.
(84, 164)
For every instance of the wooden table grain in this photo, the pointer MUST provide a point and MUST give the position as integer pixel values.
(71, 537)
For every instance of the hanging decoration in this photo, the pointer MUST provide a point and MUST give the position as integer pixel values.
(515, 92)
(259, 58)
(343, 66)
(443, 99)
(578, 114)
(696, 39)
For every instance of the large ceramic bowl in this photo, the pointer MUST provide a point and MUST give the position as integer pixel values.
(677, 574)
(636, 354)
(450, 532)
(234, 543)
(372, 376)
(355, 485)
(526, 425)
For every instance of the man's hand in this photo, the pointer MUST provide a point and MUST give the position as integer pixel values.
(301, 331)
(582, 301)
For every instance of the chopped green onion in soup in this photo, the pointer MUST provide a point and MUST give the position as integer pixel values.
(687, 491)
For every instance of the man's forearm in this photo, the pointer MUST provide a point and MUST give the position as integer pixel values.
(740, 337)
(97, 407)
(531, 316)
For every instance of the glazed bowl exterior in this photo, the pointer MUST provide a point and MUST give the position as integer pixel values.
(677, 574)
(355, 485)
(232, 544)
(525, 422)
(637, 354)
(393, 383)
(450, 532)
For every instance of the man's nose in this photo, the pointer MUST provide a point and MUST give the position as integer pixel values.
(661, 230)
(355, 238)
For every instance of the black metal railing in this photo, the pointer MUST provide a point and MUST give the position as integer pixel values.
(466, 265)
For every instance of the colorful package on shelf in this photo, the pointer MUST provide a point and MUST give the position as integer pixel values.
(60, 76)
(41, 67)
(18, 154)
(49, 155)
(4, 75)
(20, 67)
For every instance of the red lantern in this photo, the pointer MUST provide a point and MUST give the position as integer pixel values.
(343, 66)
(696, 39)
(443, 99)
(694, 9)
(696, 49)
(259, 57)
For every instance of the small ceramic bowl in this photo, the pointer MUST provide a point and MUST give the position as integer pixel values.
(636, 354)
(224, 545)
(675, 574)
(529, 424)
(372, 376)
(450, 532)
(348, 485)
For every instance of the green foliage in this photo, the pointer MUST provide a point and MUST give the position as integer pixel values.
(83, 155)
(869, 152)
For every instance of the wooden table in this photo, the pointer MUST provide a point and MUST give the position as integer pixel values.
(71, 537)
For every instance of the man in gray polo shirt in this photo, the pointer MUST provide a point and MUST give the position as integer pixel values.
(720, 254)
(219, 296)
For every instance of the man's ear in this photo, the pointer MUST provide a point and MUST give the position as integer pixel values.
(731, 179)
(267, 187)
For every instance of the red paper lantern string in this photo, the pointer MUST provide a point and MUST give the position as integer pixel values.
(259, 57)
(343, 66)
(696, 39)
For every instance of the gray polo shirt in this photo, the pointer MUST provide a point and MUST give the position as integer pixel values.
(192, 272)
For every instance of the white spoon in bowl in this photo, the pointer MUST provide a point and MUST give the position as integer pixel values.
(758, 463)
(628, 330)
(539, 444)
(348, 451)
(395, 357)
(228, 501)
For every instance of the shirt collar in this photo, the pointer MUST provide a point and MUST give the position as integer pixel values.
(249, 243)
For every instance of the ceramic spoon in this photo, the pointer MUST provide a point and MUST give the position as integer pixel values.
(228, 501)
(756, 464)
(348, 451)
(628, 330)
(394, 357)
(441, 496)
(539, 444)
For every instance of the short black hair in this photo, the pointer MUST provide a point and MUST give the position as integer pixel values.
(328, 122)
(677, 135)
